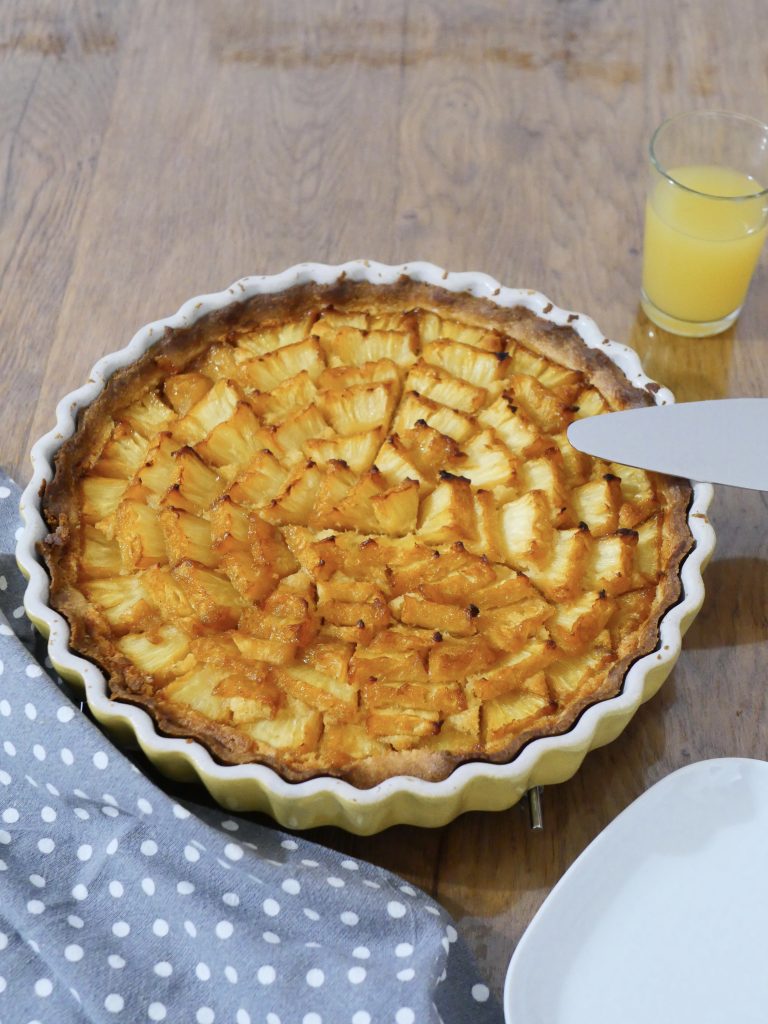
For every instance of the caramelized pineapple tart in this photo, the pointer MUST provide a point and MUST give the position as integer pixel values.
(340, 531)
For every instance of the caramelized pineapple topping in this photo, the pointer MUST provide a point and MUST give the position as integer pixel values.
(328, 541)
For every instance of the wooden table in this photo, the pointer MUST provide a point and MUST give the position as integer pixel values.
(154, 150)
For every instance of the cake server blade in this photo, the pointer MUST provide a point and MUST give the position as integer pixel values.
(719, 442)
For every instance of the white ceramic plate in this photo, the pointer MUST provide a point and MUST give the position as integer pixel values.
(664, 917)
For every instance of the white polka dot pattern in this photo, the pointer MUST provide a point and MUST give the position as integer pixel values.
(132, 904)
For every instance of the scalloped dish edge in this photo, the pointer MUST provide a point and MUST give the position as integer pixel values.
(327, 801)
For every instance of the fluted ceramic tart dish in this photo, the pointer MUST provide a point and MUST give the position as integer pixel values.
(321, 540)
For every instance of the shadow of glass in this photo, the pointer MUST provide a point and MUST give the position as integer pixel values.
(695, 369)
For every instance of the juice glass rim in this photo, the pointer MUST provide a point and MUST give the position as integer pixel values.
(746, 118)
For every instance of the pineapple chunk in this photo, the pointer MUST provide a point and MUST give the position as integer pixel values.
(296, 727)
(395, 464)
(397, 508)
(122, 600)
(338, 480)
(264, 373)
(291, 396)
(647, 561)
(589, 402)
(581, 674)
(414, 409)
(229, 526)
(515, 670)
(318, 690)
(540, 406)
(318, 557)
(445, 618)
(479, 367)
(575, 624)
(513, 427)
(223, 362)
(565, 571)
(457, 659)
(196, 689)
(359, 408)
(526, 531)
(250, 696)
(358, 451)
(213, 598)
(295, 432)
(331, 321)
(386, 664)
(100, 497)
(187, 538)
(294, 502)
(232, 442)
(597, 504)
(432, 328)
(269, 547)
(435, 383)
(123, 454)
(576, 465)
(423, 567)
(507, 629)
(400, 728)
(510, 714)
(355, 511)
(157, 652)
(183, 390)
(546, 474)
(489, 542)
(448, 512)
(351, 347)
(565, 383)
(447, 698)
(138, 532)
(338, 378)
(429, 450)
(274, 652)
(459, 733)
(165, 594)
(508, 588)
(149, 416)
(196, 486)
(489, 464)
(345, 742)
(285, 616)
(610, 564)
(262, 481)
(159, 472)
(216, 406)
(251, 580)
(632, 611)
(332, 659)
(270, 337)
(638, 495)
(99, 556)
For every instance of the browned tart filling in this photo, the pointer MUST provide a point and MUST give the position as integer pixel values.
(340, 531)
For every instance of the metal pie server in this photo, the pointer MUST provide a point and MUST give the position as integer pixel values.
(719, 442)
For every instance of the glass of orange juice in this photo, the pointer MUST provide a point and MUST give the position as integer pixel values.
(705, 220)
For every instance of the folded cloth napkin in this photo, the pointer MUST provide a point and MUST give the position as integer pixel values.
(120, 903)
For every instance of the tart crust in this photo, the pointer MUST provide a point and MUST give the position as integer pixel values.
(181, 351)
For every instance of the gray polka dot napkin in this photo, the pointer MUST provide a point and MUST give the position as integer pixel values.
(119, 903)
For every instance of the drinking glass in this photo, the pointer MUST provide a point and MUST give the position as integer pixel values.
(705, 219)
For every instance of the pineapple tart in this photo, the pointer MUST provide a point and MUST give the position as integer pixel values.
(340, 530)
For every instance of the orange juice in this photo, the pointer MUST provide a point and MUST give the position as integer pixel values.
(701, 243)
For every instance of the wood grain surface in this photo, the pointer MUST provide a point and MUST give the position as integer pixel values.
(153, 150)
